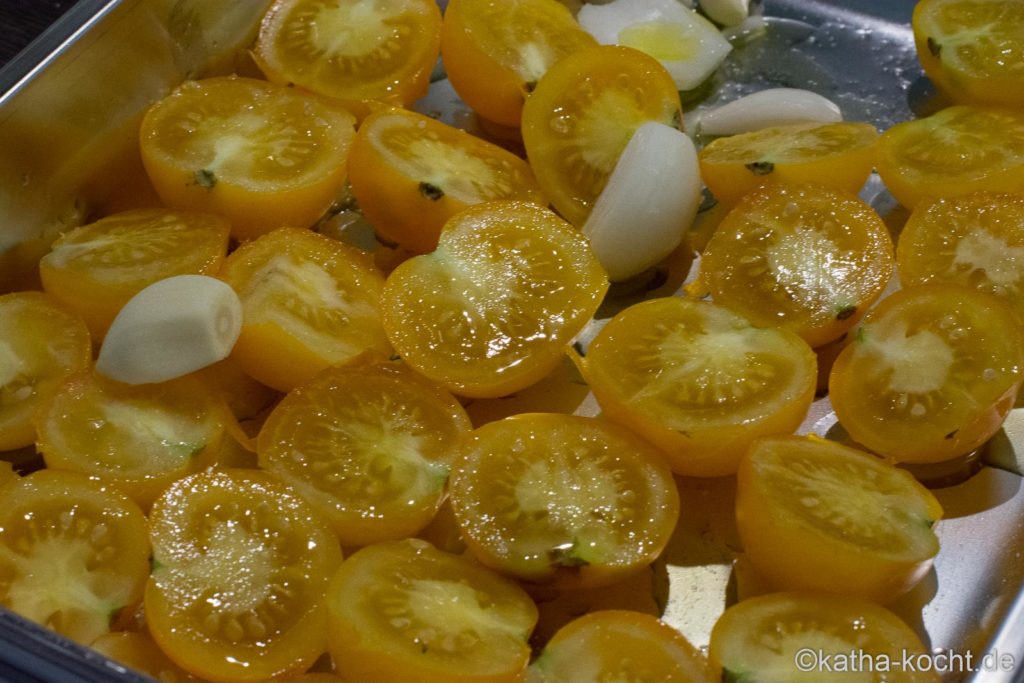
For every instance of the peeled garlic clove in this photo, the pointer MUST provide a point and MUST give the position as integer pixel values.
(650, 201)
(726, 12)
(687, 45)
(773, 107)
(171, 328)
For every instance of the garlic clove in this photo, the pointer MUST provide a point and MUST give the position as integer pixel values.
(171, 328)
(649, 202)
(726, 12)
(772, 107)
(687, 45)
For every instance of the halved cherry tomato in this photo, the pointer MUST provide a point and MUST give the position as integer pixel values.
(40, 343)
(973, 49)
(699, 381)
(496, 52)
(581, 115)
(261, 154)
(356, 51)
(618, 645)
(411, 173)
(956, 151)
(308, 302)
(931, 374)
(976, 240)
(492, 310)
(72, 554)
(369, 444)
(405, 611)
(562, 500)
(95, 269)
(786, 637)
(241, 567)
(805, 258)
(818, 516)
(136, 650)
(837, 155)
(139, 438)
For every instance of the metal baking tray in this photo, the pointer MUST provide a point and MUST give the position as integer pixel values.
(69, 107)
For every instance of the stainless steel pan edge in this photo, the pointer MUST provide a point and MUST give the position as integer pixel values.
(68, 111)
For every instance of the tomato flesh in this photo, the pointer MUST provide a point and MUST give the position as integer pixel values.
(818, 516)
(562, 500)
(837, 155)
(583, 113)
(370, 445)
(761, 638)
(804, 257)
(411, 173)
(72, 555)
(699, 381)
(355, 52)
(931, 374)
(956, 151)
(308, 302)
(975, 240)
(139, 438)
(405, 611)
(495, 52)
(260, 154)
(492, 310)
(241, 566)
(95, 269)
(973, 50)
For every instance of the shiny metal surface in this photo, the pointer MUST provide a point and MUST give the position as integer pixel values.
(68, 113)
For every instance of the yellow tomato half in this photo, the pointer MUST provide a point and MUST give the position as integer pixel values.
(411, 173)
(818, 516)
(699, 381)
(262, 155)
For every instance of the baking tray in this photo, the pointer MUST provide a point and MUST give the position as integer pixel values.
(70, 105)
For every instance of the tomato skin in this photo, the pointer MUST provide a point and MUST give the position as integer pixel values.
(482, 638)
(957, 356)
(241, 566)
(135, 649)
(409, 202)
(794, 548)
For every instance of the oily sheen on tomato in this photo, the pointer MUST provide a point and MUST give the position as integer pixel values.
(241, 566)
(494, 307)
(699, 381)
(931, 374)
